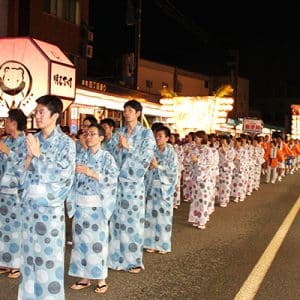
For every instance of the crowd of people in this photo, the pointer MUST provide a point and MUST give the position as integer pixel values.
(119, 186)
(215, 170)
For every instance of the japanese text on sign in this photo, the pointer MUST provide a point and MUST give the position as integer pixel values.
(252, 125)
(62, 80)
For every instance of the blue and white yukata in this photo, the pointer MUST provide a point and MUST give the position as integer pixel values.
(12, 167)
(94, 205)
(79, 148)
(127, 223)
(106, 144)
(48, 182)
(160, 183)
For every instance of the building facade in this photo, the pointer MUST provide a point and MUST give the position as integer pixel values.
(63, 23)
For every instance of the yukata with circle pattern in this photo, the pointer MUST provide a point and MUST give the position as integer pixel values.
(47, 184)
(90, 223)
(161, 184)
(12, 167)
(127, 222)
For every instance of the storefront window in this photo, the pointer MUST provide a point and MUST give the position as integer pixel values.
(67, 9)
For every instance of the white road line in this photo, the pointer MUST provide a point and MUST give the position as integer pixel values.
(254, 280)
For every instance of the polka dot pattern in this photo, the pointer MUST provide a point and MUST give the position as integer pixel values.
(44, 267)
(10, 231)
(90, 246)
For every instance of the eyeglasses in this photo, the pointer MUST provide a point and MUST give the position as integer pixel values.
(90, 134)
(39, 112)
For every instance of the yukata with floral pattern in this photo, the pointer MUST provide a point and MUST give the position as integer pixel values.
(48, 182)
(127, 222)
(226, 166)
(161, 183)
(259, 154)
(202, 189)
(187, 181)
(240, 174)
(251, 169)
(12, 167)
(94, 205)
(214, 177)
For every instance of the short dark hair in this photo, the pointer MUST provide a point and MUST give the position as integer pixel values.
(101, 131)
(91, 119)
(53, 103)
(165, 129)
(65, 129)
(137, 106)
(202, 135)
(226, 137)
(110, 122)
(156, 125)
(19, 117)
(79, 133)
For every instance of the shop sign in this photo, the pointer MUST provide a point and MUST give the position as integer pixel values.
(252, 125)
(30, 68)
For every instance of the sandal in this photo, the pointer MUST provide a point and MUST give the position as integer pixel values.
(201, 226)
(101, 289)
(14, 274)
(135, 270)
(150, 250)
(80, 285)
(4, 270)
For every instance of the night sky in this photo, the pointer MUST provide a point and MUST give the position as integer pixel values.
(198, 36)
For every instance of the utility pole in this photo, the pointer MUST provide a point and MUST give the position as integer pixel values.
(138, 29)
(233, 64)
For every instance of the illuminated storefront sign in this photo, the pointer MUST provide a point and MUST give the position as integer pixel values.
(30, 68)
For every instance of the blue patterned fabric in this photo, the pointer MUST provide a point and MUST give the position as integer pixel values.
(160, 183)
(12, 168)
(90, 224)
(48, 182)
(127, 222)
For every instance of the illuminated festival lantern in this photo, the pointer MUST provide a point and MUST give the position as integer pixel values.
(193, 113)
(31, 68)
(295, 121)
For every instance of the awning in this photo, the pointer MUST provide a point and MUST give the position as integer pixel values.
(116, 102)
(31, 68)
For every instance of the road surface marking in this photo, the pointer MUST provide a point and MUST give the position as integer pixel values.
(254, 280)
